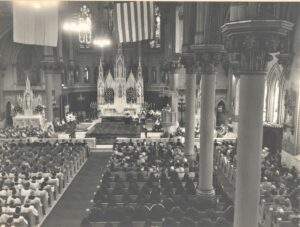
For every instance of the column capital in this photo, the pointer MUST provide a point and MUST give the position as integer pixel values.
(253, 40)
(189, 61)
(209, 57)
(51, 66)
(171, 65)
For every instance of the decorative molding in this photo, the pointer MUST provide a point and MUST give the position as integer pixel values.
(209, 56)
(253, 40)
(189, 61)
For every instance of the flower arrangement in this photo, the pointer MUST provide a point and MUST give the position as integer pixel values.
(18, 109)
(39, 109)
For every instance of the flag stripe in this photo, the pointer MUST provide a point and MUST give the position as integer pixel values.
(151, 20)
(119, 22)
(129, 23)
(149, 23)
(145, 20)
(133, 21)
(123, 23)
(136, 22)
(139, 18)
(142, 21)
(126, 22)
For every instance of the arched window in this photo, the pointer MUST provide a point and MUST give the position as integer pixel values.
(265, 102)
(237, 98)
(27, 66)
(276, 102)
(220, 113)
(86, 74)
(154, 75)
(131, 95)
(157, 26)
(109, 96)
(274, 96)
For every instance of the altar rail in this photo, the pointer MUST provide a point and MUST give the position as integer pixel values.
(269, 217)
(174, 139)
(90, 141)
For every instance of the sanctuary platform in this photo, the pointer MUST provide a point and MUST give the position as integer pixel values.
(112, 127)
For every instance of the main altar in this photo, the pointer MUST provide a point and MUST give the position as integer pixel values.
(28, 101)
(120, 94)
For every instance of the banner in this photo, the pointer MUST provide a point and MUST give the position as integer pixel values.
(35, 22)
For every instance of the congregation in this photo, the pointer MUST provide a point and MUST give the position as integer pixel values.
(149, 182)
(33, 175)
(279, 187)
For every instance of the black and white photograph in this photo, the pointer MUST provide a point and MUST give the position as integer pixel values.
(149, 113)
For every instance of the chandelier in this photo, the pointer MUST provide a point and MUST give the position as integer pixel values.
(81, 25)
(85, 25)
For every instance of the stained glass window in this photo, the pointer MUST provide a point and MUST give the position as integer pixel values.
(131, 95)
(109, 95)
(157, 27)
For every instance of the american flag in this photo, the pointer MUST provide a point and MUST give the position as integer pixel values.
(135, 21)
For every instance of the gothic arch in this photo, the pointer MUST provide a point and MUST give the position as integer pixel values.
(26, 60)
(220, 112)
(274, 95)
(237, 97)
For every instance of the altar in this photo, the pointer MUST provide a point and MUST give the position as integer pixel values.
(36, 121)
(121, 93)
(28, 101)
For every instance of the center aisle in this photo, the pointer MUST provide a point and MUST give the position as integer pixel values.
(71, 208)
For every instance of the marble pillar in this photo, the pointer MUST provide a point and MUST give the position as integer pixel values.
(207, 126)
(174, 104)
(49, 98)
(2, 104)
(294, 77)
(254, 48)
(2, 74)
(50, 69)
(190, 97)
(209, 57)
(250, 129)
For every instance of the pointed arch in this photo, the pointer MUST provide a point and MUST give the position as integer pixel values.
(274, 95)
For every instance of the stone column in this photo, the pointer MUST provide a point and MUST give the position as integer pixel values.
(190, 97)
(209, 58)
(71, 60)
(295, 86)
(174, 104)
(50, 68)
(2, 73)
(254, 40)
(2, 104)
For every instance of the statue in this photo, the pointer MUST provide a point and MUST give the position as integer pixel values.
(29, 101)
(27, 98)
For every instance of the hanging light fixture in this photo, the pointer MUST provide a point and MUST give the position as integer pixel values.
(85, 25)
(81, 25)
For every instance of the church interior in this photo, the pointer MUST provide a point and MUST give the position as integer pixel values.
(149, 114)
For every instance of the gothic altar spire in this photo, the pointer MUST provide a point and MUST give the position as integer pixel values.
(100, 73)
(139, 71)
(27, 85)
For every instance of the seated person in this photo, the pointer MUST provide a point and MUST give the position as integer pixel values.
(18, 220)
(4, 217)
